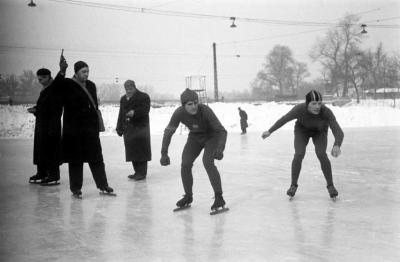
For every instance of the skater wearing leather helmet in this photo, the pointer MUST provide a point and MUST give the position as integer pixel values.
(313, 121)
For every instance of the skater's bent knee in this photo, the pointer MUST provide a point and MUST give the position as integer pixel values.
(299, 156)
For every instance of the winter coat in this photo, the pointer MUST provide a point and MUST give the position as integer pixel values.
(47, 136)
(136, 129)
(243, 119)
(80, 135)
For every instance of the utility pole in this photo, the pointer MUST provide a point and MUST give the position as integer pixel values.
(215, 74)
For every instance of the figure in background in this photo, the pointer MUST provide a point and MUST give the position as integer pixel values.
(243, 120)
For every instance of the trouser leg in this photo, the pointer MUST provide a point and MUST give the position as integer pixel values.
(300, 143)
(75, 171)
(99, 174)
(212, 171)
(190, 152)
(321, 142)
(140, 167)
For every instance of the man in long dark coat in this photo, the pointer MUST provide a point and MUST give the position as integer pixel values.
(243, 120)
(80, 139)
(47, 136)
(133, 124)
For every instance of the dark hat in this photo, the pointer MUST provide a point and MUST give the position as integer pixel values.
(43, 72)
(189, 95)
(313, 95)
(130, 83)
(79, 65)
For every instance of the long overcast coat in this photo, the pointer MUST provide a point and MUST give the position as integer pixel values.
(136, 130)
(47, 137)
(80, 138)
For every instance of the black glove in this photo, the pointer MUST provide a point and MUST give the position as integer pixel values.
(218, 154)
(164, 161)
(119, 133)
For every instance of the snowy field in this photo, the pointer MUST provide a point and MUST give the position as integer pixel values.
(47, 224)
(15, 122)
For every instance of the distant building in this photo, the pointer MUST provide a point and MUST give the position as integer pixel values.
(385, 93)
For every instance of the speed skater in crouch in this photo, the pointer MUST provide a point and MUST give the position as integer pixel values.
(313, 121)
(206, 132)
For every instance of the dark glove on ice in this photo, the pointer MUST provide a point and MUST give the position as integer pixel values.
(218, 154)
(164, 161)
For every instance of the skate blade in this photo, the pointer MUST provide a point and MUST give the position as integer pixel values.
(333, 199)
(35, 182)
(181, 208)
(77, 196)
(291, 198)
(219, 211)
(107, 194)
(51, 184)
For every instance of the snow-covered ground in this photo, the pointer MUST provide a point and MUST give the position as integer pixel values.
(15, 122)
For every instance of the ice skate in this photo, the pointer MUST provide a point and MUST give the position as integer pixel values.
(184, 203)
(132, 176)
(291, 191)
(219, 205)
(333, 193)
(77, 194)
(36, 179)
(50, 181)
(106, 190)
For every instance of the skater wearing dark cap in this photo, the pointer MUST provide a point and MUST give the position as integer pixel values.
(313, 121)
(47, 136)
(81, 125)
(133, 124)
(206, 132)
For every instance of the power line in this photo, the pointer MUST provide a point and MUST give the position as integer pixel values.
(207, 16)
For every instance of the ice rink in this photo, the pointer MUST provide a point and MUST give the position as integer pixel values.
(47, 224)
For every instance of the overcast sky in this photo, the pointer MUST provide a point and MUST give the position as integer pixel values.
(161, 50)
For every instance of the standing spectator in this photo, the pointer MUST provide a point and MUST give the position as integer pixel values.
(80, 140)
(243, 120)
(47, 137)
(133, 124)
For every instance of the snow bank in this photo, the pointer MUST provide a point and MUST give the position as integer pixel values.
(15, 122)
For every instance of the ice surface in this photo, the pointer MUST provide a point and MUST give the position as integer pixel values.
(47, 224)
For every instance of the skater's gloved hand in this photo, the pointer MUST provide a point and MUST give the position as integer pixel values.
(335, 151)
(218, 154)
(130, 113)
(119, 133)
(164, 161)
(265, 134)
(63, 64)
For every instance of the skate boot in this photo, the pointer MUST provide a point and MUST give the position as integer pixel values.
(184, 203)
(333, 193)
(106, 190)
(36, 179)
(132, 176)
(77, 194)
(219, 205)
(291, 191)
(50, 181)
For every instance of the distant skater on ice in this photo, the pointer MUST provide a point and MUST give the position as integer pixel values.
(206, 132)
(133, 125)
(243, 120)
(313, 121)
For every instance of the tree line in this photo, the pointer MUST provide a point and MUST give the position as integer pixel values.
(346, 68)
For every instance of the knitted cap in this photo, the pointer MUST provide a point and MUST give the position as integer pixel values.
(43, 72)
(79, 65)
(313, 95)
(189, 95)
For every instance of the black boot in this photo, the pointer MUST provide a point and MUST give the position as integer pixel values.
(292, 190)
(185, 201)
(218, 202)
(333, 193)
(77, 193)
(36, 179)
(50, 181)
(107, 189)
